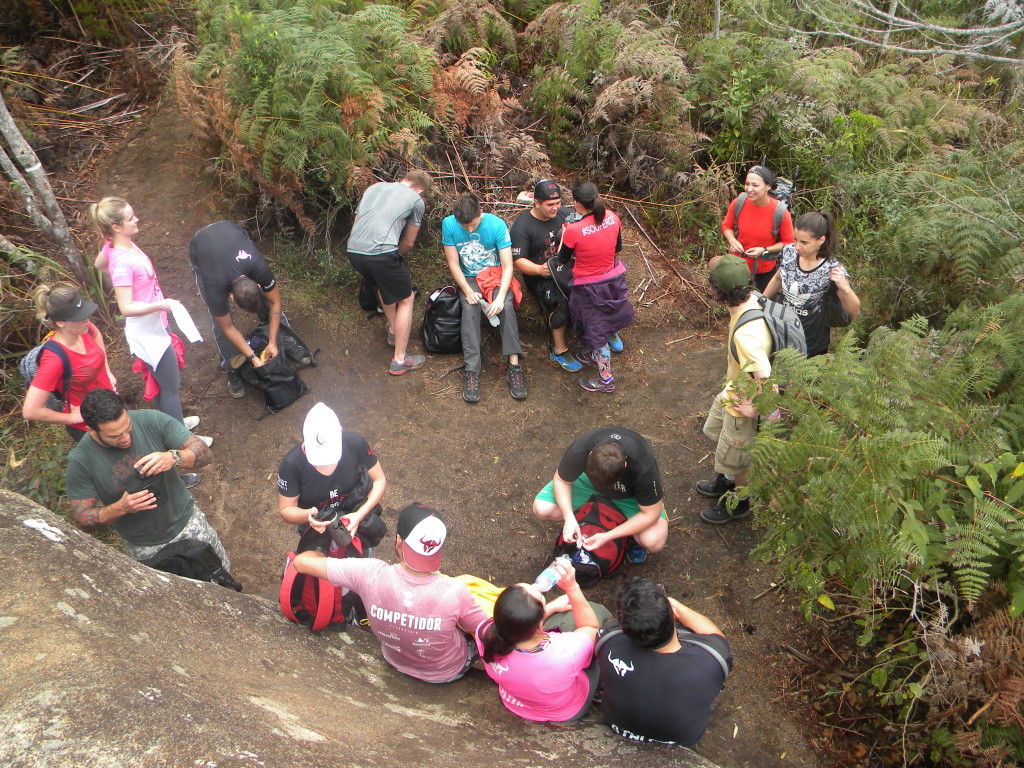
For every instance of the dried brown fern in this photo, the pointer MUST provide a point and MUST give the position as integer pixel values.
(622, 98)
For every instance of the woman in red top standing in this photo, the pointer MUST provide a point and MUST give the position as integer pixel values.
(67, 314)
(754, 238)
(599, 303)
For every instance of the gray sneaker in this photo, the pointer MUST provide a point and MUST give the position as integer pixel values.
(236, 386)
(410, 363)
(191, 479)
(516, 382)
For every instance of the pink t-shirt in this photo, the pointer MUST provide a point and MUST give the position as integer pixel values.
(415, 616)
(131, 268)
(547, 685)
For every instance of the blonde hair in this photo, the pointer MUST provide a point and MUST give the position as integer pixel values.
(106, 213)
(51, 299)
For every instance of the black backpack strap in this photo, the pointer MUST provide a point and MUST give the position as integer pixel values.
(740, 200)
(691, 640)
(777, 216)
(747, 317)
(65, 362)
(604, 638)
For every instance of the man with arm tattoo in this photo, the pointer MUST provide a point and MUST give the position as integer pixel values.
(121, 476)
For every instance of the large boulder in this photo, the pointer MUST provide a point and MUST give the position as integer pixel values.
(104, 662)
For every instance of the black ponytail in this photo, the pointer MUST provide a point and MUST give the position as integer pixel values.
(820, 224)
(517, 614)
(585, 193)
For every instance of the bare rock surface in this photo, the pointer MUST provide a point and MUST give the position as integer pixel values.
(105, 663)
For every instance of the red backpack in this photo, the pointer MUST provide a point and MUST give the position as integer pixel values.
(316, 602)
(597, 515)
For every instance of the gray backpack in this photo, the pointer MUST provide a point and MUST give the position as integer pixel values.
(783, 324)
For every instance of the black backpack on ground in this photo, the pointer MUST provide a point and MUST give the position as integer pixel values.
(193, 559)
(441, 331)
(597, 515)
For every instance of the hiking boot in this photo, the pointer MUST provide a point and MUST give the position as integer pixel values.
(597, 384)
(471, 388)
(207, 440)
(715, 489)
(191, 422)
(615, 343)
(390, 337)
(635, 553)
(516, 382)
(191, 479)
(720, 515)
(566, 360)
(236, 386)
(411, 363)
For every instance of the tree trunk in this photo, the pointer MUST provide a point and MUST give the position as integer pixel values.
(31, 185)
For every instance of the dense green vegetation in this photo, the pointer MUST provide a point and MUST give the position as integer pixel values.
(894, 491)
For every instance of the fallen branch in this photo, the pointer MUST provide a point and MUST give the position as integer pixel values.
(808, 660)
(676, 341)
(772, 588)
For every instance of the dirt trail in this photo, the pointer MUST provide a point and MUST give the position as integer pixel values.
(481, 464)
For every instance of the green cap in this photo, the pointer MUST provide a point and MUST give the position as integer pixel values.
(731, 272)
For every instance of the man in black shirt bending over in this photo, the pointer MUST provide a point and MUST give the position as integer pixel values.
(619, 464)
(227, 264)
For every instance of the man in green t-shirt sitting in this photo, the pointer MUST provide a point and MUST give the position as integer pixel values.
(122, 475)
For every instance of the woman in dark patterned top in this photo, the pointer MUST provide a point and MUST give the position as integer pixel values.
(807, 271)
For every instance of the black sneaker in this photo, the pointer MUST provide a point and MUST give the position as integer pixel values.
(516, 382)
(236, 387)
(714, 489)
(191, 479)
(471, 388)
(720, 515)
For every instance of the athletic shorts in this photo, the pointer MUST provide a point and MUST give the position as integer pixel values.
(583, 489)
(734, 434)
(388, 272)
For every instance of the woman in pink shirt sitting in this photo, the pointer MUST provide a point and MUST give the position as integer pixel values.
(542, 674)
(141, 301)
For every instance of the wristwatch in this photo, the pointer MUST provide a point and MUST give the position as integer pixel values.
(176, 455)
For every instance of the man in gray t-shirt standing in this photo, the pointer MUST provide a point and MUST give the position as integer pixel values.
(384, 231)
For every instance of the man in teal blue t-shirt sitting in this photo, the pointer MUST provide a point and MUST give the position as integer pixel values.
(478, 250)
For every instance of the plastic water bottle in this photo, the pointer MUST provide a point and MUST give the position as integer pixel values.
(549, 576)
(493, 321)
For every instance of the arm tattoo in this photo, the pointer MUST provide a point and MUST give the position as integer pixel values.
(86, 513)
(201, 450)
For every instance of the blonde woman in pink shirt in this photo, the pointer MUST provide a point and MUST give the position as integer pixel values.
(141, 301)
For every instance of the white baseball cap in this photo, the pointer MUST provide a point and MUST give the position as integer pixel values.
(321, 436)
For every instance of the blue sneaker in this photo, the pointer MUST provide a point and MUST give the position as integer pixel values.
(635, 553)
(615, 343)
(567, 361)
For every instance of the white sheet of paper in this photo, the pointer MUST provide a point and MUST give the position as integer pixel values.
(185, 324)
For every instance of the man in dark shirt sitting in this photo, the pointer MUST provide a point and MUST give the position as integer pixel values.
(536, 235)
(660, 679)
